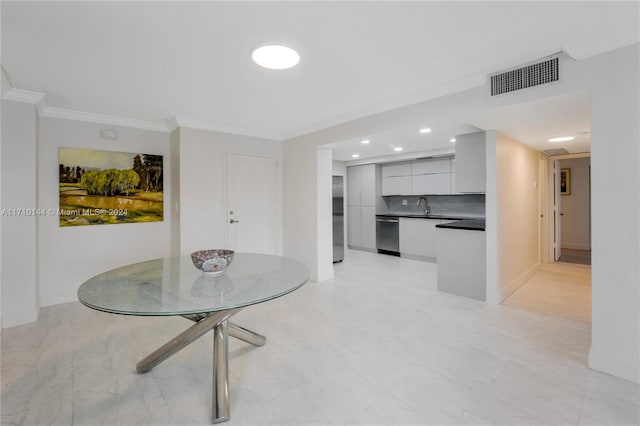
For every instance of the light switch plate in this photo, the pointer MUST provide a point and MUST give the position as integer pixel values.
(405, 203)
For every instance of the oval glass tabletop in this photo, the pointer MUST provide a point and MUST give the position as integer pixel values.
(173, 286)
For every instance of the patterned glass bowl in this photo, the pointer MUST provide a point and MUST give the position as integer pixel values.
(212, 262)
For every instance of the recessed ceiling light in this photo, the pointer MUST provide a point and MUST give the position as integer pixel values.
(562, 139)
(452, 140)
(275, 57)
(397, 148)
(365, 142)
(355, 155)
(425, 130)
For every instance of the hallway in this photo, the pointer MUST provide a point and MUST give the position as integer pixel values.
(560, 290)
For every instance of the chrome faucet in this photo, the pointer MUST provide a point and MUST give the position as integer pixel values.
(427, 210)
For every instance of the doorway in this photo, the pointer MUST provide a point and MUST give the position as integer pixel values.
(252, 204)
(570, 199)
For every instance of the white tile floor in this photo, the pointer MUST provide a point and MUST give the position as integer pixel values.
(378, 345)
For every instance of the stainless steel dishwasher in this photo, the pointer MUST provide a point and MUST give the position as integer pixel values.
(388, 235)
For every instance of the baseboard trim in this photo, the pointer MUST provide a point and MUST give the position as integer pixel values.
(615, 367)
(12, 319)
(575, 246)
(510, 288)
(418, 257)
(370, 250)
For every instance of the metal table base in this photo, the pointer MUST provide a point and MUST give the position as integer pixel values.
(222, 328)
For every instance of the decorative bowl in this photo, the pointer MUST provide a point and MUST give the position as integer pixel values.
(212, 262)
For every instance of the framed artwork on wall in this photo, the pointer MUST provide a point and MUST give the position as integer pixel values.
(108, 187)
(565, 181)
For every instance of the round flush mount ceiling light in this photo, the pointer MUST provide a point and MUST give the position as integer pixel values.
(365, 142)
(562, 139)
(275, 57)
(452, 140)
(355, 155)
(397, 149)
(425, 130)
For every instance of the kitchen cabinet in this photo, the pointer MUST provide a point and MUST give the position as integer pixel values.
(396, 185)
(439, 183)
(431, 165)
(353, 226)
(402, 168)
(363, 191)
(462, 262)
(361, 185)
(470, 168)
(361, 227)
(418, 238)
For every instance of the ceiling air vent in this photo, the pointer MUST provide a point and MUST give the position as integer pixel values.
(535, 74)
(552, 152)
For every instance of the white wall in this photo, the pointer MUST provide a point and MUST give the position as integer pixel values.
(512, 214)
(615, 242)
(203, 184)
(68, 256)
(19, 251)
(612, 81)
(576, 226)
(174, 179)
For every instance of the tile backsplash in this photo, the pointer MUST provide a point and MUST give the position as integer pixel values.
(472, 205)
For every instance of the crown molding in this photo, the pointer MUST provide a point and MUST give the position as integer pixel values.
(25, 96)
(214, 127)
(90, 117)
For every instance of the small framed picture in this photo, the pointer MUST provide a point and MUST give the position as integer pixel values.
(565, 181)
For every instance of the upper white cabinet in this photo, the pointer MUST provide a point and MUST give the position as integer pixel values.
(470, 168)
(436, 183)
(396, 169)
(396, 185)
(431, 165)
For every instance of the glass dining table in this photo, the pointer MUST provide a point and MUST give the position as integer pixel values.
(173, 286)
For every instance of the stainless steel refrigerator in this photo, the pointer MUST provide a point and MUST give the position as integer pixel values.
(338, 219)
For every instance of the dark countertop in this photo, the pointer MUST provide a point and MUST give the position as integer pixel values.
(432, 216)
(467, 224)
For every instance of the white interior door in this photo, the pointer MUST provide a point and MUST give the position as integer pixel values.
(557, 212)
(252, 204)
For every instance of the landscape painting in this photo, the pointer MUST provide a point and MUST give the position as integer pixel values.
(106, 187)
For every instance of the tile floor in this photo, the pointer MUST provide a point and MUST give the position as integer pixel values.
(378, 345)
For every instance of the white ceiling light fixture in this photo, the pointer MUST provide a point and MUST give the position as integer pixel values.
(561, 139)
(397, 149)
(452, 140)
(355, 155)
(365, 142)
(425, 130)
(275, 56)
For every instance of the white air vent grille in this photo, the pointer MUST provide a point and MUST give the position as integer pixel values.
(532, 75)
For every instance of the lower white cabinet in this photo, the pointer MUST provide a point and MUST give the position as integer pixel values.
(361, 227)
(418, 238)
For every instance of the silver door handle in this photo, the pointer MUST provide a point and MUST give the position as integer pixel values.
(233, 221)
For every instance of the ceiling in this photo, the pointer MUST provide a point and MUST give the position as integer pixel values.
(531, 123)
(158, 60)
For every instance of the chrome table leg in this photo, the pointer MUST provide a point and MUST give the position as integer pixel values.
(221, 409)
(246, 335)
(221, 330)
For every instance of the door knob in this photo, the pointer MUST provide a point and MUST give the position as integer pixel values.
(233, 221)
